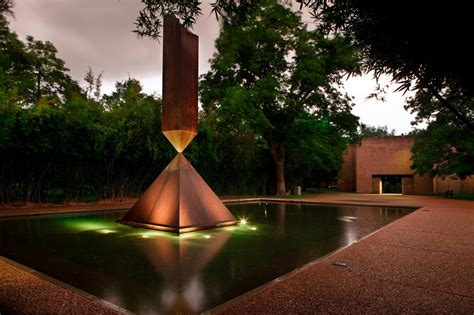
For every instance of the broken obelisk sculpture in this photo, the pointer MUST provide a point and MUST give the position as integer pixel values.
(179, 200)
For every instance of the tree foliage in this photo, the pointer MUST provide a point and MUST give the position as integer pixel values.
(31, 71)
(50, 74)
(149, 21)
(6, 8)
(93, 85)
(274, 79)
(428, 50)
(424, 48)
(56, 143)
(59, 141)
(423, 52)
(445, 148)
(367, 131)
(416, 48)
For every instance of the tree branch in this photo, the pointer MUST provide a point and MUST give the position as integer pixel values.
(451, 108)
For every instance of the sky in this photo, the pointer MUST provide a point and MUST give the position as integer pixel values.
(98, 34)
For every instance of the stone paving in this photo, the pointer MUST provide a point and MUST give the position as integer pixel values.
(422, 263)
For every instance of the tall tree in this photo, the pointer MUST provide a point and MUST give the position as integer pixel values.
(422, 52)
(269, 71)
(50, 72)
(444, 150)
(419, 50)
(6, 8)
(31, 71)
(58, 144)
(15, 67)
(93, 85)
(427, 53)
(446, 147)
(424, 48)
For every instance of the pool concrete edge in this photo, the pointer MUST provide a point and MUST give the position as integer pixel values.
(13, 212)
(313, 202)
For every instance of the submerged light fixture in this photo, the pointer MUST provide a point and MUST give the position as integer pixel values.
(179, 200)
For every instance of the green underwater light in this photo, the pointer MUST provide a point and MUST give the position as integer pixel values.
(86, 224)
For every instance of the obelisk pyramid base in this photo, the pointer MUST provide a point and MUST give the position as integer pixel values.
(179, 201)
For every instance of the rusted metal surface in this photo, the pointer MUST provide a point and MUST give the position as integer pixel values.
(180, 82)
(179, 138)
(179, 201)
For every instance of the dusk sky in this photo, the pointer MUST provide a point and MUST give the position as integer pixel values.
(99, 34)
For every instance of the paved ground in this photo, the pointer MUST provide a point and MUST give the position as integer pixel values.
(12, 211)
(24, 291)
(422, 263)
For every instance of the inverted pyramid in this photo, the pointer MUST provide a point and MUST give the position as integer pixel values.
(179, 201)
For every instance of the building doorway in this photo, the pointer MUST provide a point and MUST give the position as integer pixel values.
(391, 184)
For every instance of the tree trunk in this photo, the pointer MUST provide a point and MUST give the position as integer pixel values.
(38, 86)
(278, 153)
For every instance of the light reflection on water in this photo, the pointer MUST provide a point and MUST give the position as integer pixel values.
(149, 271)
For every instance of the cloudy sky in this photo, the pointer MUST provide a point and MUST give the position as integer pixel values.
(97, 34)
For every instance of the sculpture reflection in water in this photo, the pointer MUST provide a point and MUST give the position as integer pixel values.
(179, 200)
(181, 264)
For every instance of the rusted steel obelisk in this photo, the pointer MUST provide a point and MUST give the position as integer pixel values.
(179, 200)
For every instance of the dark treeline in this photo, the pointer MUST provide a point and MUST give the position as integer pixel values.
(60, 142)
(81, 149)
(77, 150)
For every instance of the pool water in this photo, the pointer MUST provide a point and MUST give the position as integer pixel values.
(147, 271)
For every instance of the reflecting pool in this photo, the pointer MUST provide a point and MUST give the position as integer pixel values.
(148, 271)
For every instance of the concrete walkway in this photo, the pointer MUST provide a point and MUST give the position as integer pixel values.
(58, 208)
(421, 263)
(25, 291)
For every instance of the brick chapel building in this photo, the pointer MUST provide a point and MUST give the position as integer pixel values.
(382, 165)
